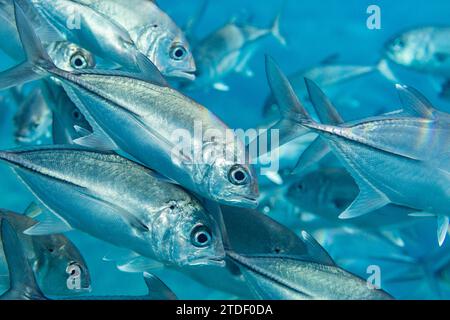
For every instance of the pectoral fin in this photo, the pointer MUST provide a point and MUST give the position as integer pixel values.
(98, 139)
(51, 224)
(442, 229)
(139, 264)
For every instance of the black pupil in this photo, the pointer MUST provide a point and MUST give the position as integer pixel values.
(239, 175)
(202, 238)
(78, 62)
(300, 186)
(51, 250)
(172, 207)
(179, 53)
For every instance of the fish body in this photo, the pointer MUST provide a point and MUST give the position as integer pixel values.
(393, 158)
(50, 257)
(228, 50)
(424, 49)
(154, 33)
(118, 201)
(370, 151)
(278, 277)
(327, 192)
(33, 117)
(141, 117)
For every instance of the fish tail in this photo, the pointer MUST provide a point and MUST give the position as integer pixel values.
(23, 284)
(275, 30)
(294, 116)
(38, 62)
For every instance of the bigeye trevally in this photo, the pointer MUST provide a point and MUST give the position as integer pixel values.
(423, 49)
(278, 277)
(393, 158)
(154, 33)
(229, 49)
(326, 192)
(248, 231)
(33, 118)
(50, 257)
(118, 201)
(141, 115)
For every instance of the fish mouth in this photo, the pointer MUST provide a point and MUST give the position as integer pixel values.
(23, 139)
(218, 261)
(249, 202)
(189, 75)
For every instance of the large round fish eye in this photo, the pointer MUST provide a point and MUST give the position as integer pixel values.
(201, 236)
(238, 175)
(78, 61)
(178, 52)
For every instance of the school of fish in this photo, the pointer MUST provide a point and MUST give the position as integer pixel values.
(109, 142)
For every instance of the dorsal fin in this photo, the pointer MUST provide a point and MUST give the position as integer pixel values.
(325, 109)
(415, 102)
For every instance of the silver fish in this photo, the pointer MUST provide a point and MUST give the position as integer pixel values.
(66, 116)
(372, 150)
(33, 118)
(118, 201)
(64, 54)
(50, 257)
(23, 285)
(248, 232)
(326, 192)
(155, 34)
(325, 75)
(312, 277)
(140, 114)
(227, 50)
(424, 49)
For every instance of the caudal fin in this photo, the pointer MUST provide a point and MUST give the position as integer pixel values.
(38, 61)
(23, 285)
(292, 111)
(275, 30)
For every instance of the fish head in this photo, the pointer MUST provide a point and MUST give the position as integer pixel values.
(233, 183)
(70, 57)
(59, 266)
(192, 236)
(169, 50)
(32, 119)
(304, 189)
(410, 49)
